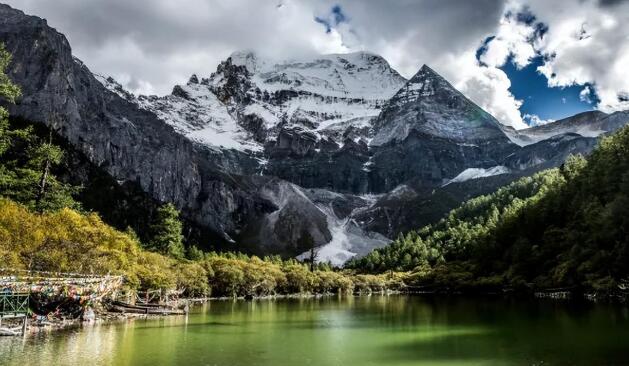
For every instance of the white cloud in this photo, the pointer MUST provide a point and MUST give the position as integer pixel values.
(486, 86)
(161, 42)
(586, 95)
(152, 45)
(535, 120)
(156, 44)
(512, 38)
(586, 42)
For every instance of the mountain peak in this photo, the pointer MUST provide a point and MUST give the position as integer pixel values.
(424, 84)
(426, 70)
(246, 58)
(429, 104)
(352, 75)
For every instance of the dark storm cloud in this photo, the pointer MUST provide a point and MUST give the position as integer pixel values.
(612, 2)
(150, 45)
(154, 38)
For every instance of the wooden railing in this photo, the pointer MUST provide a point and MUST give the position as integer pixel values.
(16, 281)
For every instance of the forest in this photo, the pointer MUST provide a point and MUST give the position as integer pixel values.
(561, 228)
(46, 226)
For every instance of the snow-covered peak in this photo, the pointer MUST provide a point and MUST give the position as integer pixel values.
(246, 58)
(352, 75)
(429, 104)
(322, 95)
(423, 84)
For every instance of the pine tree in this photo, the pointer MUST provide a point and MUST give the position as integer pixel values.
(194, 253)
(166, 232)
(26, 163)
(9, 92)
(43, 157)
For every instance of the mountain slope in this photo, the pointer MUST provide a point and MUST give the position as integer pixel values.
(585, 124)
(563, 227)
(129, 143)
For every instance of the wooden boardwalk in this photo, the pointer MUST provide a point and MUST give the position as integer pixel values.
(17, 286)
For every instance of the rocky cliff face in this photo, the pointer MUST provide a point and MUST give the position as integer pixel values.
(338, 150)
(130, 143)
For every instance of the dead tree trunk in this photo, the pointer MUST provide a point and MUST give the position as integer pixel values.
(313, 258)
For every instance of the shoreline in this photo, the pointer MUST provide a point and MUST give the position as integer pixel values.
(108, 317)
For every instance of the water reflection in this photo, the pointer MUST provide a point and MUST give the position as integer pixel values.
(376, 330)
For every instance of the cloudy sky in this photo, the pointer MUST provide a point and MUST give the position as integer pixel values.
(525, 61)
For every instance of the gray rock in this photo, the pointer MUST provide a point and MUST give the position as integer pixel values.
(129, 143)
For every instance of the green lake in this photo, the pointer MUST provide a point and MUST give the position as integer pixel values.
(375, 330)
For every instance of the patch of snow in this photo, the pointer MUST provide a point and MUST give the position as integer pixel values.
(264, 112)
(475, 173)
(114, 86)
(337, 251)
(348, 240)
(400, 191)
(529, 136)
(224, 138)
(200, 116)
(588, 131)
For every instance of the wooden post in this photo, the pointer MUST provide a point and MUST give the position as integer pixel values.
(24, 325)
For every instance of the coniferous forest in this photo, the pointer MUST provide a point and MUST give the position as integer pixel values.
(563, 227)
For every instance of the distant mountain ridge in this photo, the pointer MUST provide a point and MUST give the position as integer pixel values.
(246, 102)
(339, 148)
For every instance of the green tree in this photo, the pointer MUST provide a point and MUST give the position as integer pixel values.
(9, 92)
(194, 253)
(26, 164)
(43, 157)
(166, 232)
(573, 166)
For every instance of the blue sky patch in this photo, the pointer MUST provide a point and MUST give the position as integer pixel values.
(335, 17)
(531, 87)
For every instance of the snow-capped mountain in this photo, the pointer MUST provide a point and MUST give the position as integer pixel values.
(586, 124)
(195, 112)
(352, 129)
(249, 99)
(429, 104)
(338, 149)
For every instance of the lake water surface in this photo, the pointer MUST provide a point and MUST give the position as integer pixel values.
(376, 330)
